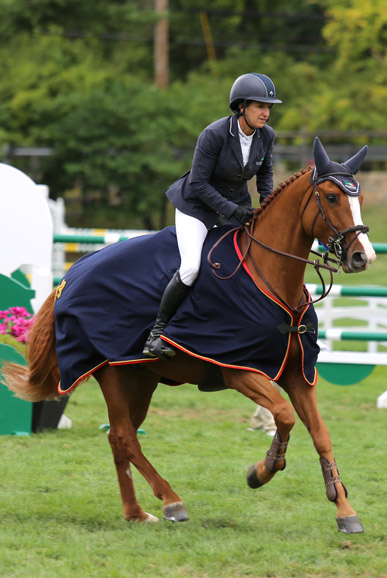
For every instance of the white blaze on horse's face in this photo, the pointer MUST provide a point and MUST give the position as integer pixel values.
(363, 238)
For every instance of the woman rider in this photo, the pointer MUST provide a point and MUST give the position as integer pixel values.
(228, 153)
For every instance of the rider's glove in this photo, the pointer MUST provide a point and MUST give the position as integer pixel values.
(243, 214)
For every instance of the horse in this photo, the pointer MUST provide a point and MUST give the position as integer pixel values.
(271, 253)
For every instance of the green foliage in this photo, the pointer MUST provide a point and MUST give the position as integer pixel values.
(74, 18)
(78, 77)
(12, 342)
(358, 31)
(355, 89)
(115, 135)
(258, 26)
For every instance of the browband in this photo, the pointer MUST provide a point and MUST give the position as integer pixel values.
(345, 181)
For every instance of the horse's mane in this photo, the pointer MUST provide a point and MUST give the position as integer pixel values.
(280, 188)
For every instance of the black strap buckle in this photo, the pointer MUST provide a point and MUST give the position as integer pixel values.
(300, 329)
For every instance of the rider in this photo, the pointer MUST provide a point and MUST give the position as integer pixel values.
(228, 153)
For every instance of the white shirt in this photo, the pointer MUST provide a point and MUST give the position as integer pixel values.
(245, 141)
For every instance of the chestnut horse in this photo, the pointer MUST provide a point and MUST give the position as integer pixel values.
(322, 203)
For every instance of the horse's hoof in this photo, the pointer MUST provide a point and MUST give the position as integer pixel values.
(349, 525)
(150, 519)
(176, 512)
(252, 478)
(143, 518)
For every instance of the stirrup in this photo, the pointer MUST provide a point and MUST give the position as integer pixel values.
(156, 347)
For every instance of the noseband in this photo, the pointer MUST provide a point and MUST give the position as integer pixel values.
(335, 246)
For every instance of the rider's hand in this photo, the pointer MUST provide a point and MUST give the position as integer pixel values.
(243, 214)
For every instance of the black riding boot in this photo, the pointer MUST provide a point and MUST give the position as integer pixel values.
(173, 296)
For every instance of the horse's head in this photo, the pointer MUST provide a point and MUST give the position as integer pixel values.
(338, 222)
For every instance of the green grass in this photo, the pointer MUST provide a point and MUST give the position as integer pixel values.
(61, 510)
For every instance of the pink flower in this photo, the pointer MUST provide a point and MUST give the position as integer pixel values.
(19, 312)
(16, 321)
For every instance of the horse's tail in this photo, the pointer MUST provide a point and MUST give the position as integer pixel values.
(39, 379)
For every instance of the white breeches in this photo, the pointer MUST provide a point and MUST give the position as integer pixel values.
(191, 234)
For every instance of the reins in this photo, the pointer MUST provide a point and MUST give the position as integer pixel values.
(335, 246)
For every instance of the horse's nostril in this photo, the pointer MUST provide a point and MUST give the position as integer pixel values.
(359, 260)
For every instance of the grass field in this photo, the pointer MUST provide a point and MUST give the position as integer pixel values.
(60, 510)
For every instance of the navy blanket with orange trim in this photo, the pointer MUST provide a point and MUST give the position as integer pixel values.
(110, 299)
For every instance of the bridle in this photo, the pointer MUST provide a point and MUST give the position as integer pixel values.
(336, 243)
(335, 246)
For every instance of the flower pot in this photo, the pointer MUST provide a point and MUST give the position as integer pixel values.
(46, 414)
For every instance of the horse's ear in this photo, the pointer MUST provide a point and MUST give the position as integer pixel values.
(354, 162)
(321, 159)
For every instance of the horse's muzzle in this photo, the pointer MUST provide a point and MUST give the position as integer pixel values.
(355, 262)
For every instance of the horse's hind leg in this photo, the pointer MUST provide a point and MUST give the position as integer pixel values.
(131, 508)
(128, 392)
(304, 400)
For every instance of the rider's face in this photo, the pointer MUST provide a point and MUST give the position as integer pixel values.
(257, 114)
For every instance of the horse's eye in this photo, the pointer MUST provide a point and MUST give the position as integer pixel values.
(331, 198)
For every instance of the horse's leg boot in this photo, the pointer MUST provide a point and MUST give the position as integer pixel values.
(174, 295)
(276, 453)
(331, 480)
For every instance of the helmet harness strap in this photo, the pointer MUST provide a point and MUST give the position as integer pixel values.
(243, 113)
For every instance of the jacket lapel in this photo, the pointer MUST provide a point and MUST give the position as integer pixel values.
(254, 157)
(234, 140)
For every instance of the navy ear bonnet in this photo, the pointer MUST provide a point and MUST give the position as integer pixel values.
(340, 174)
(341, 178)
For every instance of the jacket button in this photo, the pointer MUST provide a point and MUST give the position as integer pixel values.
(230, 190)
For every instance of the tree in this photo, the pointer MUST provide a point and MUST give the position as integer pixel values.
(240, 26)
(127, 141)
(358, 31)
(352, 93)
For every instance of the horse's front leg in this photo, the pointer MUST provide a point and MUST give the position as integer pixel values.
(304, 400)
(259, 389)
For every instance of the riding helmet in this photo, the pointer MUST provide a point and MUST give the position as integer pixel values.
(252, 86)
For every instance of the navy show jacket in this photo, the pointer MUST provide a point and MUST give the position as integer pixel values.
(217, 183)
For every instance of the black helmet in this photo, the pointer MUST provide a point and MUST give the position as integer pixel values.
(252, 86)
